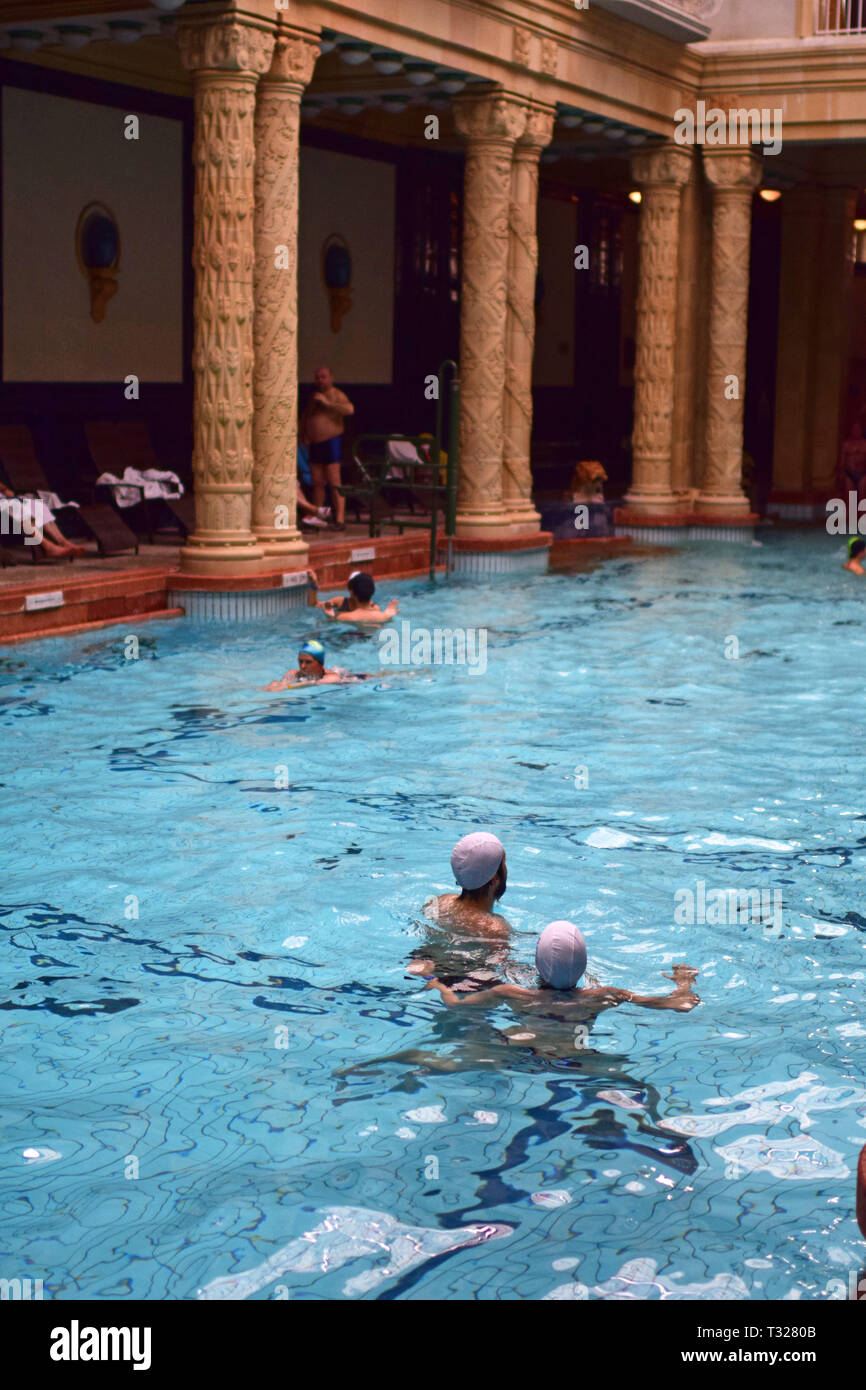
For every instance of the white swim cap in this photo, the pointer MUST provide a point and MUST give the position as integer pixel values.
(560, 956)
(475, 859)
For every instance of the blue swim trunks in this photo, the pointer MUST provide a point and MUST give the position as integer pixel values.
(328, 451)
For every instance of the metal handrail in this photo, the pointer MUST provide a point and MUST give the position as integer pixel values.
(436, 489)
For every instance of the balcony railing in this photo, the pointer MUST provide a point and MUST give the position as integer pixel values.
(840, 17)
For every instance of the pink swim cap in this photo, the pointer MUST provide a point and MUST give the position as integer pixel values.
(560, 956)
(475, 859)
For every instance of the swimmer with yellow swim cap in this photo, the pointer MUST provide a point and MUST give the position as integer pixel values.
(856, 547)
(311, 670)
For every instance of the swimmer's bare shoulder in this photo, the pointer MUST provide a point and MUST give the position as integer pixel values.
(448, 911)
(373, 614)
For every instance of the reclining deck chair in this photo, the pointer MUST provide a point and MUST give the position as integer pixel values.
(402, 474)
(27, 478)
(119, 444)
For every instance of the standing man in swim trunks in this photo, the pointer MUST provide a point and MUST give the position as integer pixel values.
(321, 430)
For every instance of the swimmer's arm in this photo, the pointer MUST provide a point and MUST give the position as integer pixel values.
(312, 590)
(341, 404)
(682, 999)
(287, 680)
(606, 997)
(481, 996)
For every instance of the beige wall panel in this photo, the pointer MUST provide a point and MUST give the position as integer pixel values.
(59, 155)
(355, 198)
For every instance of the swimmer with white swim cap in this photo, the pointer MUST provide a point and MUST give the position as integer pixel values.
(478, 865)
(560, 958)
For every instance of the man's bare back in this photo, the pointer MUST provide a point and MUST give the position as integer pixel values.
(453, 910)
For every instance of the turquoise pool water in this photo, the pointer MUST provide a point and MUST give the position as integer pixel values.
(218, 1076)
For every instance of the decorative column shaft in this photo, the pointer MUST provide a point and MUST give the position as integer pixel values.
(734, 178)
(275, 335)
(226, 57)
(661, 175)
(490, 123)
(520, 320)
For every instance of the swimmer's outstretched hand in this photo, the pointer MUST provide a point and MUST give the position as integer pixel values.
(683, 998)
(682, 975)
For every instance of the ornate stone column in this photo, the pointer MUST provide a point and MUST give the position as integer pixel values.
(689, 346)
(734, 176)
(226, 57)
(275, 327)
(661, 175)
(490, 122)
(520, 320)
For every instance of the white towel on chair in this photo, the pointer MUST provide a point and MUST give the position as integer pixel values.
(52, 503)
(22, 516)
(402, 451)
(153, 482)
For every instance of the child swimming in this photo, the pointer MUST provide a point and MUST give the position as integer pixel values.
(560, 958)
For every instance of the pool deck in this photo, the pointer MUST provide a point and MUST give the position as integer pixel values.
(60, 599)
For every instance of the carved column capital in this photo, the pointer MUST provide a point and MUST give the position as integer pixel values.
(226, 44)
(537, 133)
(732, 171)
(295, 54)
(490, 118)
(670, 166)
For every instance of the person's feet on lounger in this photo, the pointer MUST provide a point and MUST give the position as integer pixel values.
(33, 518)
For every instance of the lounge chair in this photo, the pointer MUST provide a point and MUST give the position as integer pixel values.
(116, 445)
(400, 473)
(26, 477)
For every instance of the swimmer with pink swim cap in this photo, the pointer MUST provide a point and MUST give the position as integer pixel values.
(478, 865)
(560, 958)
